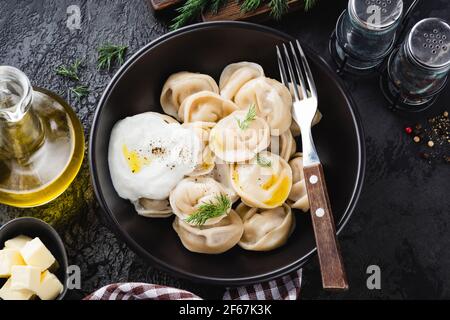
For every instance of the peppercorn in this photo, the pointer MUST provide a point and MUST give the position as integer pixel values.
(408, 130)
(446, 114)
(416, 139)
(430, 144)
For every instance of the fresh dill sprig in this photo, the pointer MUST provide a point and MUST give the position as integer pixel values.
(249, 117)
(208, 210)
(109, 53)
(216, 5)
(278, 8)
(191, 9)
(70, 71)
(309, 4)
(250, 5)
(80, 91)
(188, 11)
(263, 162)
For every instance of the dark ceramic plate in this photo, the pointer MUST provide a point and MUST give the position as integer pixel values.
(32, 228)
(208, 48)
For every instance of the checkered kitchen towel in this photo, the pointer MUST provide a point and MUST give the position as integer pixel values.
(284, 288)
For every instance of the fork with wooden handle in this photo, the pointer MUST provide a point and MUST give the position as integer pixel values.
(304, 109)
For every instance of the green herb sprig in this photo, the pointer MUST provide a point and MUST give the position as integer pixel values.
(191, 9)
(250, 5)
(263, 162)
(278, 8)
(80, 91)
(249, 117)
(70, 71)
(109, 53)
(211, 209)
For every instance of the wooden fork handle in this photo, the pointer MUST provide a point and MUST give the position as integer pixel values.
(331, 265)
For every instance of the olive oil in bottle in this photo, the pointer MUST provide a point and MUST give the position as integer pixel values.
(41, 142)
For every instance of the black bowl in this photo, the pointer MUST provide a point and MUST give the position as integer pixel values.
(32, 228)
(208, 48)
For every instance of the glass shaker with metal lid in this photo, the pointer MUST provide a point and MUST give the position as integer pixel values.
(418, 70)
(365, 33)
(41, 142)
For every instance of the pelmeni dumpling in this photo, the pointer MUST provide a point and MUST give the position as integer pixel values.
(221, 173)
(212, 239)
(206, 157)
(205, 106)
(265, 229)
(298, 197)
(190, 193)
(235, 75)
(180, 85)
(232, 141)
(272, 100)
(283, 145)
(153, 208)
(263, 182)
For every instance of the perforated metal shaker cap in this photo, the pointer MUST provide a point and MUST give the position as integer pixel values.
(376, 14)
(428, 43)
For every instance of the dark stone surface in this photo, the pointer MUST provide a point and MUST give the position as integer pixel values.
(401, 221)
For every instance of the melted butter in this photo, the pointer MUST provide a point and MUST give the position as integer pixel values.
(280, 195)
(134, 160)
(269, 183)
(235, 176)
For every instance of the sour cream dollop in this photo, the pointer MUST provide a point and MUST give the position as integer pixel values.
(148, 156)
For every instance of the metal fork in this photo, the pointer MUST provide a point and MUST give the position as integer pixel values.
(304, 109)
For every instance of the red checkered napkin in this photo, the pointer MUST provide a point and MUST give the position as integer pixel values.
(283, 288)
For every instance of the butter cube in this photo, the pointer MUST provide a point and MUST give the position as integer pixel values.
(25, 277)
(8, 259)
(36, 254)
(50, 287)
(7, 293)
(17, 243)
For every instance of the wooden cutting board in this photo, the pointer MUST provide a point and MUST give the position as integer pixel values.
(230, 11)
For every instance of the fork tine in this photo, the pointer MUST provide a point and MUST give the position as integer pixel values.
(284, 79)
(299, 71)
(309, 77)
(291, 74)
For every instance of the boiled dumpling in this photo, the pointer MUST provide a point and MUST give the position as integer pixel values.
(205, 163)
(181, 85)
(283, 145)
(193, 192)
(298, 198)
(272, 100)
(153, 208)
(213, 239)
(235, 75)
(263, 182)
(221, 173)
(265, 229)
(234, 139)
(205, 106)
